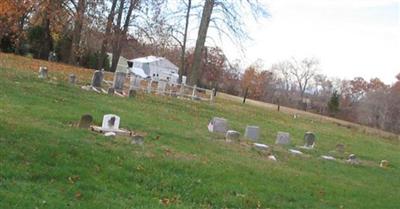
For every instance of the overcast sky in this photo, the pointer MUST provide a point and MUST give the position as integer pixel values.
(349, 37)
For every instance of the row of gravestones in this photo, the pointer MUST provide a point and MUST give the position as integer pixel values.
(220, 125)
(119, 81)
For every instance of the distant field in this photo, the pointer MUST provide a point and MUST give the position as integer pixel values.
(46, 162)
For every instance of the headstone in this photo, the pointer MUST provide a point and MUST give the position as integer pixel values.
(327, 157)
(296, 152)
(119, 80)
(384, 164)
(232, 135)
(110, 122)
(43, 72)
(309, 140)
(183, 80)
(161, 86)
(194, 92)
(85, 121)
(97, 79)
(218, 125)
(135, 82)
(111, 134)
(110, 91)
(72, 79)
(352, 159)
(149, 86)
(252, 132)
(340, 148)
(261, 146)
(139, 140)
(132, 93)
(282, 138)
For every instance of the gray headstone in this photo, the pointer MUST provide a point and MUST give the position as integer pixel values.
(110, 91)
(340, 148)
(252, 132)
(132, 93)
(162, 85)
(149, 86)
(282, 138)
(97, 79)
(139, 140)
(135, 82)
(309, 140)
(72, 79)
(85, 121)
(119, 80)
(232, 135)
(43, 72)
(218, 125)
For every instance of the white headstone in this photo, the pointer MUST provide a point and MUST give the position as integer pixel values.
(218, 125)
(282, 138)
(252, 132)
(296, 152)
(110, 122)
(183, 79)
(161, 86)
(261, 146)
(135, 82)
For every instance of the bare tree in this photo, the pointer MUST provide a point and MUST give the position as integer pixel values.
(303, 72)
(107, 35)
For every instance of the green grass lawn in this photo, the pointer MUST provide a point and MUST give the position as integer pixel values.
(46, 162)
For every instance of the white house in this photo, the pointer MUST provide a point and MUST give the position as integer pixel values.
(156, 68)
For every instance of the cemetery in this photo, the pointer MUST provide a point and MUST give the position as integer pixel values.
(85, 140)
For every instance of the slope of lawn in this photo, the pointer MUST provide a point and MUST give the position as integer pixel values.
(46, 162)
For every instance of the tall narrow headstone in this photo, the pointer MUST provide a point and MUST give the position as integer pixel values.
(119, 80)
(149, 86)
(110, 91)
(135, 82)
(161, 86)
(72, 79)
(97, 79)
(252, 132)
(43, 72)
(282, 138)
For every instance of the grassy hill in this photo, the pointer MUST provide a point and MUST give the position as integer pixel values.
(46, 162)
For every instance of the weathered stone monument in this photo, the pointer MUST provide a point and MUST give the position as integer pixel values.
(149, 86)
(261, 146)
(232, 135)
(110, 122)
(110, 91)
(43, 72)
(384, 164)
(252, 132)
(282, 138)
(132, 93)
(135, 83)
(309, 140)
(352, 159)
(85, 121)
(162, 85)
(218, 125)
(72, 79)
(97, 79)
(119, 80)
(340, 148)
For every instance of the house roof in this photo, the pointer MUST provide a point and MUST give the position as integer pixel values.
(158, 61)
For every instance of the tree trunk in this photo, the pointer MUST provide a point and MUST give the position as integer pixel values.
(201, 39)
(76, 34)
(182, 70)
(107, 36)
(47, 39)
(120, 36)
